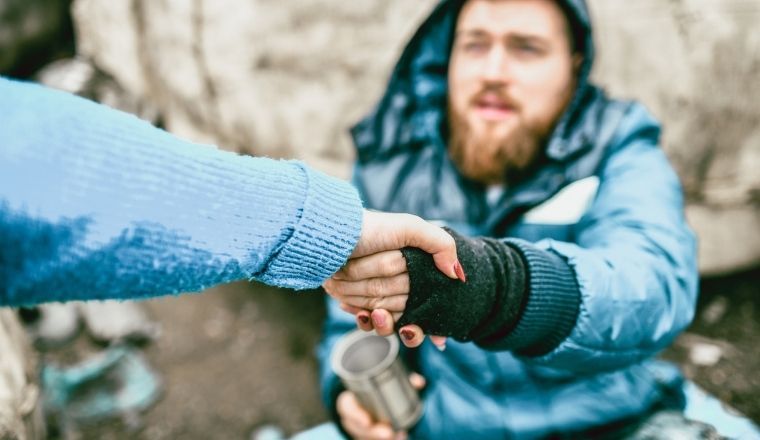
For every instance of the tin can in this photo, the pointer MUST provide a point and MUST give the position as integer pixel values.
(370, 367)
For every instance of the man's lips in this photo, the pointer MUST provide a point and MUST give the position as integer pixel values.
(493, 108)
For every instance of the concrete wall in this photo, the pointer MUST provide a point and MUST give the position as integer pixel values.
(285, 79)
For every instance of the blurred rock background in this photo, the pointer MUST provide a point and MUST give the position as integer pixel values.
(286, 79)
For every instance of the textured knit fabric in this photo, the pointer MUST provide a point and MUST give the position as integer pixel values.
(629, 257)
(95, 203)
(486, 307)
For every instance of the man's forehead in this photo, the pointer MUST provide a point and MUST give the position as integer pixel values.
(530, 18)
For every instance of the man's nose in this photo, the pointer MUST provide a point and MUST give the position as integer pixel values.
(496, 68)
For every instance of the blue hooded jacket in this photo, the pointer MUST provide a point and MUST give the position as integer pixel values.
(605, 203)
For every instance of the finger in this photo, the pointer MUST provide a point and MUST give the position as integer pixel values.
(411, 335)
(373, 287)
(362, 316)
(350, 309)
(379, 431)
(354, 431)
(417, 381)
(401, 435)
(364, 321)
(329, 287)
(395, 303)
(382, 321)
(351, 412)
(382, 264)
(439, 342)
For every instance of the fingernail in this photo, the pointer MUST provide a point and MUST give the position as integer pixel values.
(407, 334)
(441, 347)
(378, 320)
(363, 318)
(460, 272)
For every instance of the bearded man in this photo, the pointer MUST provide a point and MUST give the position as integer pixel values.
(569, 224)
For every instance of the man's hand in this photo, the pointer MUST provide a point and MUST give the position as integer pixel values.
(359, 424)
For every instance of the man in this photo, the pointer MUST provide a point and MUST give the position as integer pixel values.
(490, 125)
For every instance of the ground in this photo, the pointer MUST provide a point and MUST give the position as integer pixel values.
(242, 355)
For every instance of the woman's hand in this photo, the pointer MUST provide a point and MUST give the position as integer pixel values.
(374, 284)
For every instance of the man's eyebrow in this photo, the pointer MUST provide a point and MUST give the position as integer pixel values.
(471, 33)
(516, 36)
(527, 38)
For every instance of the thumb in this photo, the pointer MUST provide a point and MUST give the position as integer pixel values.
(437, 242)
(389, 231)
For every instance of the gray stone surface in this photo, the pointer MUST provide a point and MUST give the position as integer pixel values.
(285, 79)
(695, 64)
(264, 77)
(20, 408)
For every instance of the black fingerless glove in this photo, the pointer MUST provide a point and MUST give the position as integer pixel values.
(483, 309)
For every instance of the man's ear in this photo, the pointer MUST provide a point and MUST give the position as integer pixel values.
(577, 62)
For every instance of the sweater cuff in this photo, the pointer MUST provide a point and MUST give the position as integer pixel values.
(553, 303)
(326, 234)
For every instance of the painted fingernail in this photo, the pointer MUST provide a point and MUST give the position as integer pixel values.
(460, 272)
(363, 318)
(407, 334)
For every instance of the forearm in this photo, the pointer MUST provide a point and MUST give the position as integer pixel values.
(95, 203)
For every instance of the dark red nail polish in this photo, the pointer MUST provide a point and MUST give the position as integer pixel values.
(364, 319)
(460, 272)
(407, 334)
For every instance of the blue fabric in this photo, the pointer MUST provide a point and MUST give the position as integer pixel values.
(665, 425)
(631, 254)
(95, 204)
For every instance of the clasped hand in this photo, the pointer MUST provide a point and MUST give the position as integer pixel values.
(374, 283)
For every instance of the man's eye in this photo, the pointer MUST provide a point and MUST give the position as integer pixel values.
(528, 49)
(475, 47)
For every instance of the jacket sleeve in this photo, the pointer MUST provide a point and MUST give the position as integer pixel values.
(95, 204)
(634, 260)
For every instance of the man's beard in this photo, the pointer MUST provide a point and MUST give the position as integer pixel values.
(491, 159)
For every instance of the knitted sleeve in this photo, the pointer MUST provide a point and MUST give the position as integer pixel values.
(95, 203)
(516, 297)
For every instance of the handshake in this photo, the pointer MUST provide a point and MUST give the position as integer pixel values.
(409, 275)
(374, 284)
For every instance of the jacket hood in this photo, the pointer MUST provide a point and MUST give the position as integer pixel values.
(412, 113)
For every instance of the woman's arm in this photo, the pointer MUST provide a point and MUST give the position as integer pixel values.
(95, 203)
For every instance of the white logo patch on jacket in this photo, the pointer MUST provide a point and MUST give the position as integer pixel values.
(567, 206)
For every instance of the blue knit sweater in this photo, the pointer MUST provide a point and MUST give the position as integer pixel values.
(95, 204)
